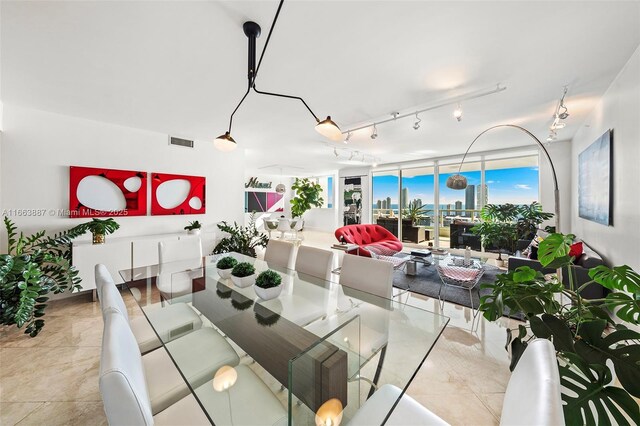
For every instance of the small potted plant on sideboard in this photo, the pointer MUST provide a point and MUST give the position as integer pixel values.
(101, 227)
(193, 227)
(268, 285)
(243, 274)
(225, 266)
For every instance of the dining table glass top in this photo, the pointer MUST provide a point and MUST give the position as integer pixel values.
(311, 355)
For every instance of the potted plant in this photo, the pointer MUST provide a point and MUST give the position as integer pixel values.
(268, 285)
(241, 239)
(589, 335)
(225, 265)
(101, 227)
(414, 213)
(243, 274)
(33, 267)
(498, 228)
(307, 195)
(193, 227)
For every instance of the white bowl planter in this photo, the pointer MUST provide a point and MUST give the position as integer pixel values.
(243, 282)
(224, 273)
(268, 293)
(193, 232)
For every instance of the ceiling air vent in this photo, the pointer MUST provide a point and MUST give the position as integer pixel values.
(180, 142)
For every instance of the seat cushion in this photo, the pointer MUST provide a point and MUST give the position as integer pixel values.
(248, 402)
(187, 411)
(164, 382)
(173, 320)
(408, 412)
(200, 354)
(145, 336)
(366, 234)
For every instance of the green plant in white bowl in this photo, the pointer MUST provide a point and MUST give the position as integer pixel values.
(225, 265)
(243, 274)
(268, 285)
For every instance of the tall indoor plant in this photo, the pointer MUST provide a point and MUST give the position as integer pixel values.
(587, 333)
(307, 195)
(33, 267)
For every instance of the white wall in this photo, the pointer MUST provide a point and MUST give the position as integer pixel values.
(560, 153)
(619, 109)
(38, 148)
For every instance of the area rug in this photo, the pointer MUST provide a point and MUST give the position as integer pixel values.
(427, 282)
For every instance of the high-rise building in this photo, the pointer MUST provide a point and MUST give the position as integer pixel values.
(378, 204)
(405, 198)
(482, 200)
(418, 202)
(459, 207)
(389, 203)
(383, 204)
(470, 198)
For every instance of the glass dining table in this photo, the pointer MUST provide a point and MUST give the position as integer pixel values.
(319, 349)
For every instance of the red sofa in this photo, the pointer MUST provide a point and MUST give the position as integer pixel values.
(370, 235)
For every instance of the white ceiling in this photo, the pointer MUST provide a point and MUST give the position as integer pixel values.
(180, 68)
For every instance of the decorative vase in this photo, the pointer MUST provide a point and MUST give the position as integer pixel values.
(243, 282)
(224, 273)
(268, 293)
(98, 238)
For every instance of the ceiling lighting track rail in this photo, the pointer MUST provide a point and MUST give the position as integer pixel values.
(452, 101)
(252, 30)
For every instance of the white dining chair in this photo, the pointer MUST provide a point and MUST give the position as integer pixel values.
(368, 275)
(179, 261)
(536, 376)
(280, 253)
(315, 262)
(126, 387)
(286, 226)
(170, 322)
(270, 226)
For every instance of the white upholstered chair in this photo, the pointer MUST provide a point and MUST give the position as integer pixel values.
(127, 387)
(280, 253)
(315, 262)
(368, 275)
(170, 322)
(535, 376)
(179, 260)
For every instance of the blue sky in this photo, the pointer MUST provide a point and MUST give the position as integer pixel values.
(517, 186)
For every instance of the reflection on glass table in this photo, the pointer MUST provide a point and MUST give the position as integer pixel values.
(316, 348)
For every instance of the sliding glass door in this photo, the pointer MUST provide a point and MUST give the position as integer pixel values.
(386, 198)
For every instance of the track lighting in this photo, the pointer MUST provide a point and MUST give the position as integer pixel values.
(327, 127)
(561, 113)
(416, 125)
(457, 113)
(335, 152)
(374, 132)
(346, 140)
(375, 164)
(553, 136)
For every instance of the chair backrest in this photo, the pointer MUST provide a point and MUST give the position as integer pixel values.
(108, 294)
(537, 377)
(186, 248)
(315, 262)
(122, 382)
(280, 253)
(366, 274)
(284, 225)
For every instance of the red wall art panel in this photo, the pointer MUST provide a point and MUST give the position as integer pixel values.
(97, 192)
(177, 194)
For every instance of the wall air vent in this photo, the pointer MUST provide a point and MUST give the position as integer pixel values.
(180, 142)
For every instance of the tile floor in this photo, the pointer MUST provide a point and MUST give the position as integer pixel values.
(53, 379)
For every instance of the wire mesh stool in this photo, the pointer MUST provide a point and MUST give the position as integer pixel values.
(466, 277)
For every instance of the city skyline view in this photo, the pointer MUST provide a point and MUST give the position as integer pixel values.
(513, 185)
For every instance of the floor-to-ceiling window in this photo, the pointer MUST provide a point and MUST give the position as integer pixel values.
(433, 214)
(386, 200)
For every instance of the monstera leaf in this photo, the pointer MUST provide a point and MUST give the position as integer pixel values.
(550, 327)
(626, 307)
(591, 396)
(618, 278)
(553, 251)
(597, 348)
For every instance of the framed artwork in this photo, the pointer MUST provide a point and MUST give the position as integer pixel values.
(263, 202)
(177, 194)
(96, 192)
(595, 183)
(352, 213)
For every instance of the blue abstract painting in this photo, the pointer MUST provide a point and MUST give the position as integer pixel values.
(595, 181)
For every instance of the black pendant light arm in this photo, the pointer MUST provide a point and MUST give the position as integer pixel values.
(289, 97)
(266, 43)
(238, 106)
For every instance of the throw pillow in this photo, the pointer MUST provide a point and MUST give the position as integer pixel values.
(533, 252)
(576, 250)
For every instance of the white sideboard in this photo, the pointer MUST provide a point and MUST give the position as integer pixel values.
(119, 253)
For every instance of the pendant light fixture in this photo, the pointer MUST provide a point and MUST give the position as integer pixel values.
(280, 188)
(327, 127)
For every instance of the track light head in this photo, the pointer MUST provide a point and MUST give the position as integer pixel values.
(374, 132)
(416, 125)
(457, 113)
(553, 136)
(564, 114)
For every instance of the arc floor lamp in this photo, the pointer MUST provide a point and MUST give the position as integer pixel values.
(458, 181)
(252, 30)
